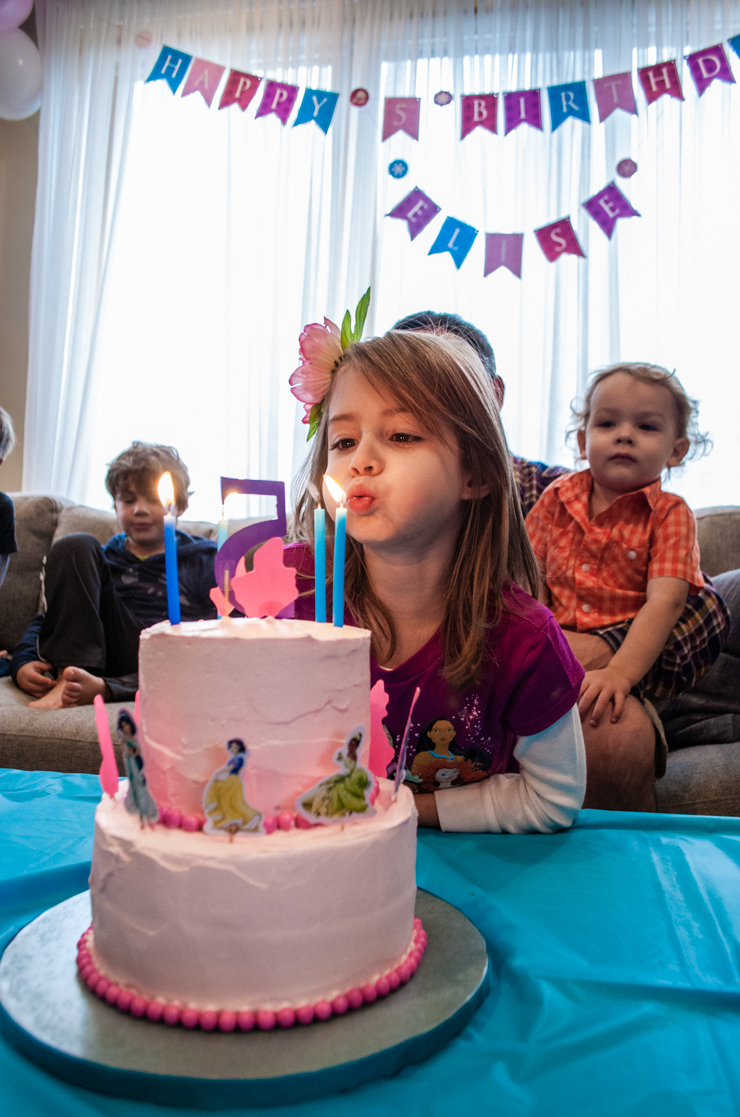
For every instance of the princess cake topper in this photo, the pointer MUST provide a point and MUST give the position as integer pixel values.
(401, 765)
(226, 809)
(322, 348)
(347, 794)
(138, 797)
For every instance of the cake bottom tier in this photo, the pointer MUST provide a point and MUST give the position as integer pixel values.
(263, 923)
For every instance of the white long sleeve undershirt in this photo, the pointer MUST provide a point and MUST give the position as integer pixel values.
(545, 794)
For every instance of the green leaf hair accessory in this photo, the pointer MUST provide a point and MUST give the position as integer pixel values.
(322, 348)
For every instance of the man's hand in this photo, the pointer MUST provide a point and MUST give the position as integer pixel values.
(592, 652)
(30, 678)
(598, 689)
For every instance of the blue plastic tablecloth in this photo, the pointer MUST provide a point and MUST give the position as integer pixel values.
(616, 987)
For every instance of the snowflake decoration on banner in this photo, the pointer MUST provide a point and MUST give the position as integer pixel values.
(442, 98)
(398, 168)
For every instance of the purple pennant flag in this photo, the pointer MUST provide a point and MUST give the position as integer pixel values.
(504, 250)
(607, 207)
(614, 92)
(203, 78)
(401, 114)
(417, 210)
(660, 79)
(522, 107)
(558, 239)
(478, 111)
(278, 98)
(708, 65)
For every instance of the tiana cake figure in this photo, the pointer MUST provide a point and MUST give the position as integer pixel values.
(226, 809)
(138, 797)
(346, 794)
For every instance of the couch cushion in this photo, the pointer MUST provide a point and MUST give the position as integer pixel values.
(78, 517)
(35, 523)
(51, 740)
(719, 538)
(701, 780)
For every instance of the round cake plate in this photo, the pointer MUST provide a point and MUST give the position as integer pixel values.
(51, 1017)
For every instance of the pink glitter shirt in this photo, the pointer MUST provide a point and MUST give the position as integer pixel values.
(530, 679)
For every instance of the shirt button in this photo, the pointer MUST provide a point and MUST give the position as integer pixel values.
(632, 554)
(585, 568)
(586, 608)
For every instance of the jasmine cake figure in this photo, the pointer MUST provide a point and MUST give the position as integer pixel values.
(226, 809)
(344, 794)
(138, 797)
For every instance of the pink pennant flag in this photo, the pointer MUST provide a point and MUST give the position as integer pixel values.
(239, 90)
(381, 751)
(278, 98)
(660, 79)
(710, 65)
(401, 114)
(607, 207)
(270, 586)
(558, 239)
(203, 78)
(614, 92)
(109, 768)
(504, 250)
(478, 111)
(522, 107)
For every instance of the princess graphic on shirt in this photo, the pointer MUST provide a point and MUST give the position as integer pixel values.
(440, 762)
(138, 797)
(344, 795)
(226, 809)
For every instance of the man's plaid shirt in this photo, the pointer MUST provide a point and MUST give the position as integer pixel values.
(702, 628)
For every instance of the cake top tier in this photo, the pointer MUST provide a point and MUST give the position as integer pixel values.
(254, 628)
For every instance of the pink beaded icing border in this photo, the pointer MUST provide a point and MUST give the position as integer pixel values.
(227, 1020)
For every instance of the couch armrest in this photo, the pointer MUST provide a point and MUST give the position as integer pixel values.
(719, 538)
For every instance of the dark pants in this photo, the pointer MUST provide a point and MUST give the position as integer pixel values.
(86, 624)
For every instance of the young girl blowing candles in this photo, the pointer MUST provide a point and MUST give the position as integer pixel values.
(438, 567)
(611, 545)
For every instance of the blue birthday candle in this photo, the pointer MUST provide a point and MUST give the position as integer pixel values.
(319, 562)
(340, 539)
(167, 497)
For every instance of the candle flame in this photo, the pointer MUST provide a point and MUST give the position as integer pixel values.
(166, 490)
(336, 490)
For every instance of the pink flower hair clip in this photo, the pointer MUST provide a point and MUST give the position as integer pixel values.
(322, 348)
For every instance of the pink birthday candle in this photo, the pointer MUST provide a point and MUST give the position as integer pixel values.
(109, 768)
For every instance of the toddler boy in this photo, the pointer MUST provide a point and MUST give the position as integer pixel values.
(98, 599)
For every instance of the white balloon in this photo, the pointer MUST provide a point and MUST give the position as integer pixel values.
(20, 76)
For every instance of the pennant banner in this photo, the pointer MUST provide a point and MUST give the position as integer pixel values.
(523, 107)
(478, 111)
(239, 90)
(709, 65)
(614, 92)
(401, 114)
(558, 239)
(568, 100)
(171, 67)
(456, 238)
(735, 44)
(317, 105)
(203, 78)
(278, 98)
(660, 79)
(607, 207)
(417, 210)
(504, 250)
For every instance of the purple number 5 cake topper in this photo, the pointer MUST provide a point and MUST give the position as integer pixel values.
(237, 545)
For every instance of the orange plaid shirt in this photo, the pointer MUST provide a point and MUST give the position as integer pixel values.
(597, 570)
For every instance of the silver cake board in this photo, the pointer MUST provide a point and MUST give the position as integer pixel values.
(50, 1015)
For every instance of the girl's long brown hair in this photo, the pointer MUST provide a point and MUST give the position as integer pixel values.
(441, 382)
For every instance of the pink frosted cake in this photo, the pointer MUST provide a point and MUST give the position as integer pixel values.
(301, 908)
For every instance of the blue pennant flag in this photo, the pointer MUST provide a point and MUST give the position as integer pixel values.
(568, 100)
(735, 44)
(317, 105)
(456, 238)
(171, 65)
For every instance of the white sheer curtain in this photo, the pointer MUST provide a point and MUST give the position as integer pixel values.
(179, 250)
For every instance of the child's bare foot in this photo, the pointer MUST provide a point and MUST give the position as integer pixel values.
(52, 700)
(80, 687)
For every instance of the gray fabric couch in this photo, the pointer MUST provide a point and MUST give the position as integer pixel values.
(703, 779)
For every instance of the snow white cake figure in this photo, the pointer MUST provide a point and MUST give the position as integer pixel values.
(226, 809)
(344, 794)
(138, 797)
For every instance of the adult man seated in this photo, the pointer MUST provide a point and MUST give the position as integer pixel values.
(623, 757)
